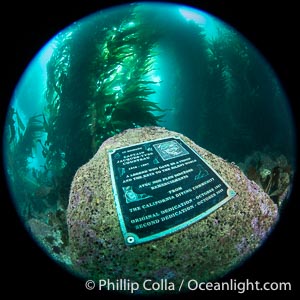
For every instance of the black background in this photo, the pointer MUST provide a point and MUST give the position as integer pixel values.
(27, 25)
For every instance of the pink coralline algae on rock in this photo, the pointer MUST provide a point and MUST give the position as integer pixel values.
(205, 250)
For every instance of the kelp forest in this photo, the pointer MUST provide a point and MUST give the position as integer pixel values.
(100, 82)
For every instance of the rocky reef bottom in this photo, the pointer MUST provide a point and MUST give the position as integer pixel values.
(92, 245)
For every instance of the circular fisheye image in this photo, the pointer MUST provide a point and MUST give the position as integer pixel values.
(147, 143)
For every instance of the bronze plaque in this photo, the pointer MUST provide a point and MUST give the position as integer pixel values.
(162, 186)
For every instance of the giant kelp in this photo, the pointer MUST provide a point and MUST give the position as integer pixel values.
(21, 139)
(226, 99)
(98, 85)
(120, 89)
(231, 102)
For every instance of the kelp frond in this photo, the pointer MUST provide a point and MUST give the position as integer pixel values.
(34, 131)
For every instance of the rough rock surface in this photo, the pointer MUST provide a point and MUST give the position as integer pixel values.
(203, 251)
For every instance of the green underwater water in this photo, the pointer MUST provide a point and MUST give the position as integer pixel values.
(133, 66)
